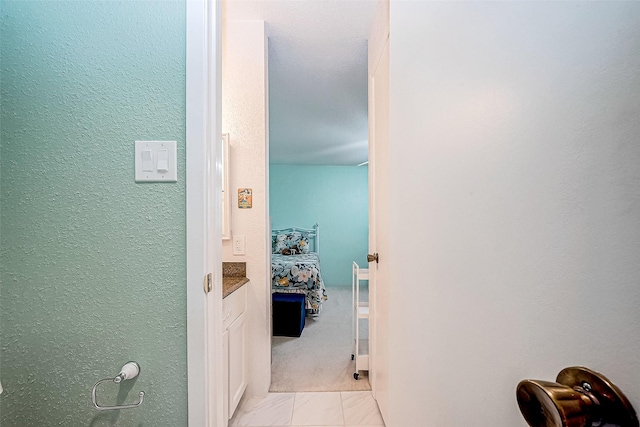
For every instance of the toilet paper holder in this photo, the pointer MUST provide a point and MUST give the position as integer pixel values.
(129, 371)
(580, 397)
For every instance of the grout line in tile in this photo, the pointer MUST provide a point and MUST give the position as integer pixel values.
(344, 419)
(293, 408)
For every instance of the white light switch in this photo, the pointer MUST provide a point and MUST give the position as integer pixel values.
(147, 161)
(156, 161)
(163, 161)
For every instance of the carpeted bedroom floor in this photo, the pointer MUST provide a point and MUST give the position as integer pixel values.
(320, 360)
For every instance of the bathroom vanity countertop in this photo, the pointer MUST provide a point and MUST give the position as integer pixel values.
(231, 284)
(234, 276)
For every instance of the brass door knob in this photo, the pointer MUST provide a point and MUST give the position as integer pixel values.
(549, 404)
(372, 257)
(580, 397)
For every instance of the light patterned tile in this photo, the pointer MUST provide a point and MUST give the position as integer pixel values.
(360, 408)
(274, 410)
(318, 409)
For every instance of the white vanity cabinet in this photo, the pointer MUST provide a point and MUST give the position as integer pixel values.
(234, 349)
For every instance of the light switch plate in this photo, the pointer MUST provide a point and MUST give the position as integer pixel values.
(239, 244)
(154, 175)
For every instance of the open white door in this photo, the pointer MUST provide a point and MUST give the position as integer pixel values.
(204, 213)
(379, 280)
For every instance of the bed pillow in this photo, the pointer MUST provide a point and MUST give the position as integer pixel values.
(279, 243)
(299, 241)
(303, 244)
(292, 243)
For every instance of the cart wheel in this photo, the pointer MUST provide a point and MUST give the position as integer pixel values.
(353, 356)
(356, 375)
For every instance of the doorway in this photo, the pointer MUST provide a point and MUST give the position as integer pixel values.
(318, 137)
(336, 198)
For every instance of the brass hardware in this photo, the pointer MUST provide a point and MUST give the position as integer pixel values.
(208, 283)
(371, 258)
(580, 397)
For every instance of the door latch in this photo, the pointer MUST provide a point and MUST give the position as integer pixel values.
(208, 283)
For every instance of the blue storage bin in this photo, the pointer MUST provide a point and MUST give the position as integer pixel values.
(288, 314)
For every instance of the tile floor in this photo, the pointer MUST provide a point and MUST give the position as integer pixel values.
(327, 409)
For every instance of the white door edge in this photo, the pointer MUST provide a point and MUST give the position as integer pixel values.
(204, 238)
(372, 220)
(372, 237)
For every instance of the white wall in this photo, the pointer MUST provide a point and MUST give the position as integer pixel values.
(515, 140)
(378, 34)
(244, 118)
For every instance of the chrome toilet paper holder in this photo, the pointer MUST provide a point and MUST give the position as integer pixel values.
(129, 371)
(580, 397)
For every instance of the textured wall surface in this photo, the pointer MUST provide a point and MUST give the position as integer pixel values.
(92, 264)
(244, 118)
(336, 198)
(514, 147)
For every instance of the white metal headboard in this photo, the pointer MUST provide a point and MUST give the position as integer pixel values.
(313, 233)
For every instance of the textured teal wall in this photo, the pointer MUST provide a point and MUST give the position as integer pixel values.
(92, 264)
(336, 198)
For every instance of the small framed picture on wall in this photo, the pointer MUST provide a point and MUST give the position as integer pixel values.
(244, 198)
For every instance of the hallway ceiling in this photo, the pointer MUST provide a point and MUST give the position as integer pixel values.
(317, 77)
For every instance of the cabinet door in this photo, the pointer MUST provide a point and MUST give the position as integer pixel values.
(225, 377)
(237, 362)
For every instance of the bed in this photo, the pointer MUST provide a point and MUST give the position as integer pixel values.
(295, 265)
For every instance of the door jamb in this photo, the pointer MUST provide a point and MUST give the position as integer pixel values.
(203, 237)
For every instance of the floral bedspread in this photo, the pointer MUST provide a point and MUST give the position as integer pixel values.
(299, 274)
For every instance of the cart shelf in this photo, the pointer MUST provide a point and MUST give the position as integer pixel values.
(360, 314)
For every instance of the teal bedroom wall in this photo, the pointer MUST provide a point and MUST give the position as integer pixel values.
(92, 265)
(336, 197)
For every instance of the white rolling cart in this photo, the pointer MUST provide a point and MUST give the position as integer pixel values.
(360, 314)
